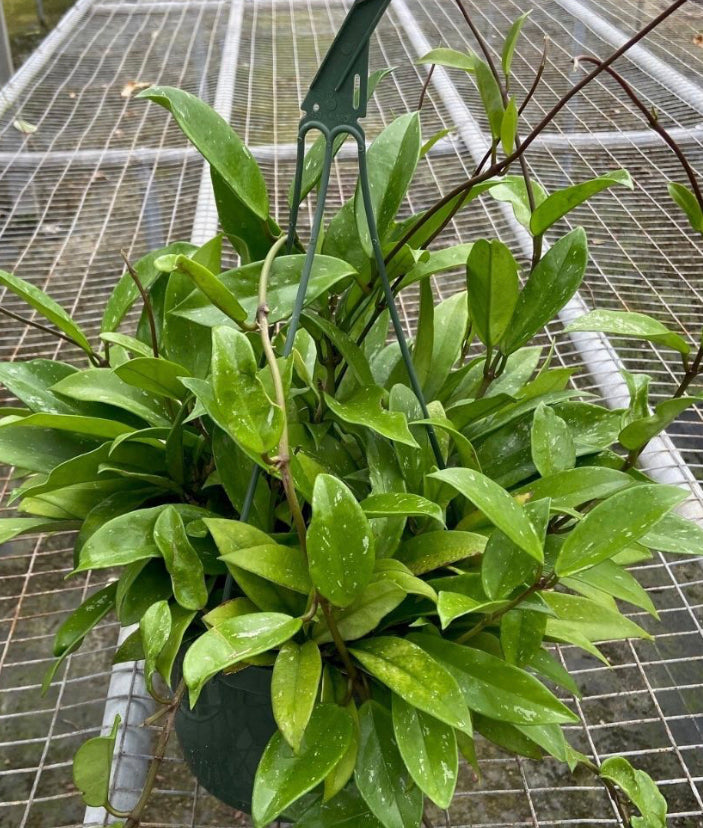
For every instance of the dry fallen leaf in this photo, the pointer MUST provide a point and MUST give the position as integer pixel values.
(24, 126)
(133, 86)
(698, 39)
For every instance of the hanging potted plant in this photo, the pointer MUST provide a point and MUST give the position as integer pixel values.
(329, 634)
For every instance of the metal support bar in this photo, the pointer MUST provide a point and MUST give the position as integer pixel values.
(661, 459)
(6, 69)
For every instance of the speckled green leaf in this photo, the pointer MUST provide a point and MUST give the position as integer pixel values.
(428, 748)
(553, 448)
(92, 765)
(181, 559)
(613, 580)
(339, 542)
(396, 572)
(155, 629)
(640, 789)
(296, 678)
(494, 688)
(492, 280)
(582, 620)
(233, 641)
(676, 534)
(156, 376)
(415, 676)
(364, 408)
(391, 504)
(283, 777)
(433, 550)
(498, 506)
(364, 613)
(521, 635)
(630, 324)
(614, 524)
(283, 565)
(453, 605)
(381, 775)
(639, 432)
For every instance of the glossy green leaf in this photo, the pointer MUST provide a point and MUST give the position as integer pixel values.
(615, 524)
(181, 559)
(451, 319)
(47, 307)
(212, 287)
(155, 629)
(395, 572)
(364, 408)
(391, 504)
(13, 527)
(414, 676)
(294, 686)
(494, 688)
(428, 748)
(129, 343)
(438, 261)
(687, 201)
(342, 772)
(156, 376)
(30, 382)
(521, 635)
(451, 58)
(630, 324)
(640, 789)
(491, 97)
(248, 415)
(580, 618)
(104, 386)
(561, 202)
(613, 580)
(339, 542)
(508, 127)
(639, 432)
(381, 775)
(181, 619)
(512, 190)
(575, 486)
(676, 534)
(433, 550)
(392, 159)
(453, 605)
(497, 505)
(492, 289)
(283, 565)
(547, 665)
(553, 448)
(511, 41)
(284, 776)
(233, 641)
(346, 810)
(554, 280)
(364, 613)
(92, 765)
(88, 426)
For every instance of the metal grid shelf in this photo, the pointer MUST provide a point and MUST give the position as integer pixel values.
(104, 172)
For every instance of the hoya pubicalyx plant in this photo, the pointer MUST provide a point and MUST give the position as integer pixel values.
(404, 577)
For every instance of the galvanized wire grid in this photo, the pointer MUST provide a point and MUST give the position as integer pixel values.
(99, 174)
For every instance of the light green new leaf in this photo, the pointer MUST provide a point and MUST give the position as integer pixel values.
(688, 203)
(155, 629)
(235, 640)
(511, 41)
(294, 685)
(636, 325)
(364, 613)
(364, 408)
(283, 565)
(381, 775)
(438, 261)
(212, 287)
(284, 776)
(453, 605)
(416, 677)
(553, 448)
(249, 416)
(92, 765)
(433, 550)
(676, 534)
(451, 58)
(498, 506)
(640, 789)
(390, 570)
(451, 319)
(181, 559)
(492, 280)
(494, 688)
(339, 542)
(181, 620)
(491, 97)
(392, 159)
(391, 504)
(508, 127)
(157, 376)
(639, 432)
(551, 284)
(583, 620)
(560, 203)
(47, 307)
(428, 748)
(512, 189)
(615, 524)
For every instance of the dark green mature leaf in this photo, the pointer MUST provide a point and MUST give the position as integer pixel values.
(433, 550)
(283, 776)
(181, 559)
(414, 676)
(92, 765)
(391, 504)
(364, 408)
(549, 287)
(583, 620)
(88, 426)
(30, 382)
(500, 508)
(246, 412)
(181, 620)
(615, 524)
(676, 534)
(636, 325)
(640, 789)
(294, 686)
(438, 261)
(560, 203)
(688, 203)
(613, 580)
(521, 634)
(155, 629)
(453, 605)
(13, 527)
(428, 748)
(381, 775)
(47, 307)
(339, 542)
(392, 159)
(79, 623)
(511, 41)
(553, 448)
(354, 356)
(508, 737)
(345, 810)
(450, 323)
(229, 462)
(494, 688)
(544, 663)
(364, 613)
(129, 537)
(156, 376)
(235, 640)
(639, 432)
(283, 565)
(575, 486)
(492, 289)
(41, 449)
